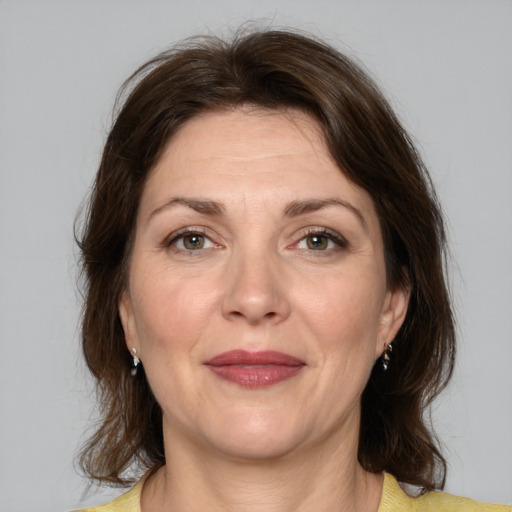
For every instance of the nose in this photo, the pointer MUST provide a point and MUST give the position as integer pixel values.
(255, 290)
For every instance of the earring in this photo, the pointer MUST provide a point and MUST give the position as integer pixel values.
(384, 359)
(135, 363)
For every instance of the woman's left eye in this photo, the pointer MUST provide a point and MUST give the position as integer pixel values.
(321, 241)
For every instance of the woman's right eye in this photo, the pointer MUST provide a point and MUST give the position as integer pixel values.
(191, 241)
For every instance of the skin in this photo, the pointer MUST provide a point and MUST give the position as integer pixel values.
(268, 275)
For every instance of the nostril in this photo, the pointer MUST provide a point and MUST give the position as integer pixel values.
(253, 317)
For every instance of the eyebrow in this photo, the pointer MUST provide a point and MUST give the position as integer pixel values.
(204, 206)
(292, 209)
(296, 208)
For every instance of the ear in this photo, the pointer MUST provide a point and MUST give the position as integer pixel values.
(392, 317)
(128, 322)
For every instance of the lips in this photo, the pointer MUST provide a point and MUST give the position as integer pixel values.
(255, 369)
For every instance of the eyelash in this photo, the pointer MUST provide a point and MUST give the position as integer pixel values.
(338, 239)
(170, 241)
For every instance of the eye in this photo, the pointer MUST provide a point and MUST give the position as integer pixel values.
(318, 242)
(321, 240)
(190, 241)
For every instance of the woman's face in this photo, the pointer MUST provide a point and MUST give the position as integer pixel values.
(257, 298)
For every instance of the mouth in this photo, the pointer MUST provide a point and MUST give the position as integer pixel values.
(255, 369)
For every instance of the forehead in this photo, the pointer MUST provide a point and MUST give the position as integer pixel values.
(253, 155)
(243, 135)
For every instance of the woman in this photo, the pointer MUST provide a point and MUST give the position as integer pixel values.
(266, 310)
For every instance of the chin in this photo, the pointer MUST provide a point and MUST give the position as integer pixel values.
(257, 437)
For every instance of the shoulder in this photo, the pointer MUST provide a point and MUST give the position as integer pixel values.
(443, 502)
(127, 502)
(395, 499)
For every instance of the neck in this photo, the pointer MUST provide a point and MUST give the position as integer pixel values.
(323, 478)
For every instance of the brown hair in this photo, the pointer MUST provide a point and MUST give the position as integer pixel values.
(272, 70)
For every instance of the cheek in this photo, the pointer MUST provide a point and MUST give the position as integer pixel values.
(344, 312)
(341, 320)
(171, 319)
(171, 313)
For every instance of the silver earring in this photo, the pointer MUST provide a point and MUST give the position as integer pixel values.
(135, 363)
(384, 359)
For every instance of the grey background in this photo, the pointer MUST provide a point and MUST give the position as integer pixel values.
(447, 68)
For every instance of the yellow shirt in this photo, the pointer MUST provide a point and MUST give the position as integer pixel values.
(393, 499)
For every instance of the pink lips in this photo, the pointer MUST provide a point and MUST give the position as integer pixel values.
(255, 369)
